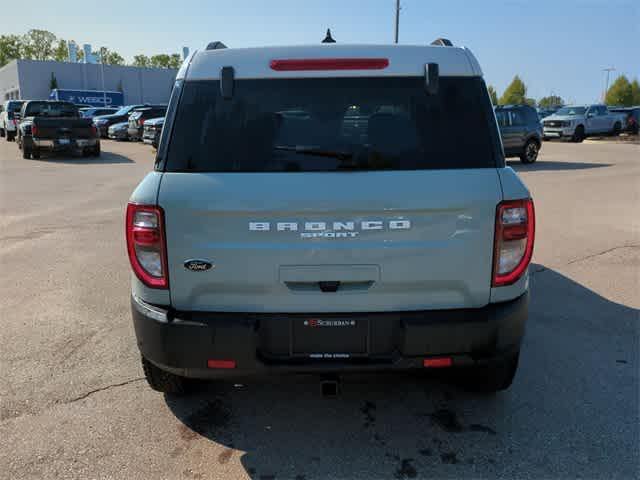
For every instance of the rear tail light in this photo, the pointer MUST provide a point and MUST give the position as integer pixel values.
(329, 64)
(146, 244)
(93, 130)
(34, 130)
(141, 122)
(513, 243)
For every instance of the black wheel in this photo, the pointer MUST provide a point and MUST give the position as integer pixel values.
(578, 134)
(490, 378)
(35, 153)
(162, 381)
(1, 132)
(96, 151)
(530, 152)
(26, 153)
(11, 136)
(617, 128)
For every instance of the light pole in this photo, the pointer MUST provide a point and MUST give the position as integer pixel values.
(606, 87)
(104, 92)
(397, 19)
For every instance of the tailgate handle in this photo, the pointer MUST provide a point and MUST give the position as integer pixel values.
(329, 287)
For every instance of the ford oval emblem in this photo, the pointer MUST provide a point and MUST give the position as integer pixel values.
(196, 265)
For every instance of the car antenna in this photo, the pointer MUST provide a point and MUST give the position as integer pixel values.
(328, 38)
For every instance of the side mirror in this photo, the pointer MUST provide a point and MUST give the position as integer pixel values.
(591, 114)
(431, 78)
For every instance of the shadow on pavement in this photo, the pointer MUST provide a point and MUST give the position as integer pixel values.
(569, 413)
(546, 165)
(105, 158)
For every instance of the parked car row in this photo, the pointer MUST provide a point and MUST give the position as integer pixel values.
(130, 123)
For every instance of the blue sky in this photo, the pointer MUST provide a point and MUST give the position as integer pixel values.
(556, 47)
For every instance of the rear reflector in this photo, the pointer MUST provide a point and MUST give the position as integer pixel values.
(437, 362)
(329, 64)
(226, 364)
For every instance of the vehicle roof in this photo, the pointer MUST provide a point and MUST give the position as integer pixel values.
(404, 60)
(500, 107)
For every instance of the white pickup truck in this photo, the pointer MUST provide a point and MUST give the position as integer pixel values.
(578, 122)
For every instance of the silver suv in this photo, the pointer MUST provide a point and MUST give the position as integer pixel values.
(314, 209)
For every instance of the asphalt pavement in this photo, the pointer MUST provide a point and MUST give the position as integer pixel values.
(73, 402)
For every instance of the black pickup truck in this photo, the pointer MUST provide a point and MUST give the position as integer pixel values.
(55, 126)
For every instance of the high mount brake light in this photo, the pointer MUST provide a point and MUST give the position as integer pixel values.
(513, 242)
(304, 64)
(146, 244)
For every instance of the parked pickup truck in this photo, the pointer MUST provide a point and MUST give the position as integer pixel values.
(55, 126)
(578, 122)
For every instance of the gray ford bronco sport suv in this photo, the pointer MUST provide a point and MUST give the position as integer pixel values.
(316, 210)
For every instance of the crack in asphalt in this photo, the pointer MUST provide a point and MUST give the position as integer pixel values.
(603, 253)
(102, 389)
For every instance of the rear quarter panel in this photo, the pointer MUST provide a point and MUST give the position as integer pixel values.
(513, 188)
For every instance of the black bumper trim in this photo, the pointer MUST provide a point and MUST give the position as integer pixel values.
(182, 342)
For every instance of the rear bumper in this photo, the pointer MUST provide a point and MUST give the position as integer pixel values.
(60, 144)
(182, 342)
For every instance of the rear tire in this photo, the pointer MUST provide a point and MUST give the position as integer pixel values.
(35, 154)
(96, 151)
(11, 136)
(1, 132)
(530, 152)
(162, 381)
(578, 134)
(26, 153)
(617, 128)
(491, 378)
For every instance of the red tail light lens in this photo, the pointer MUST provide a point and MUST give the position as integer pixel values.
(513, 243)
(93, 130)
(146, 244)
(141, 122)
(34, 130)
(329, 64)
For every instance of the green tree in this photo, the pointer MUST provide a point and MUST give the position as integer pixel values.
(10, 48)
(109, 57)
(53, 82)
(493, 95)
(620, 93)
(635, 92)
(141, 61)
(550, 101)
(38, 45)
(160, 60)
(175, 61)
(515, 93)
(61, 52)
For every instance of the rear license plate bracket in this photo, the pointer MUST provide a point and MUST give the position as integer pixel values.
(329, 337)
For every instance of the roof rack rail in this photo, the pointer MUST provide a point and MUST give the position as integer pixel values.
(216, 45)
(442, 42)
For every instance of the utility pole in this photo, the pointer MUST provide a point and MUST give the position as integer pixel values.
(104, 92)
(606, 88)
(397, 19)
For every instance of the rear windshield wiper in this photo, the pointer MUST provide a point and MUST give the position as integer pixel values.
(315, 151)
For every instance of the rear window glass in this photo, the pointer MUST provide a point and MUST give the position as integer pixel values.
(329, 124)
(51, 109)
(14, 106)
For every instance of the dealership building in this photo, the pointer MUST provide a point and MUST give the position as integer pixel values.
(31, 80)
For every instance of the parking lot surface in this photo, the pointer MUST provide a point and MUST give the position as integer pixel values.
(74, 403)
